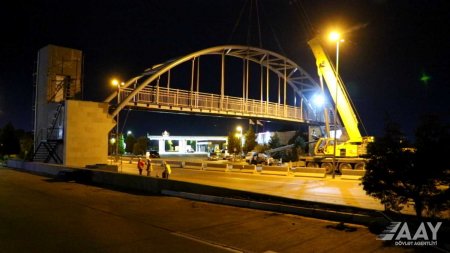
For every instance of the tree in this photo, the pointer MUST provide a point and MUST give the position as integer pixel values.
(26, 144)
(397, 174)
(431, 182)
(298, 148)
(129, 141)
(9, 141)
(140, 147)
(121, 144)
(274, 141)
(234, 145)
(250, 140)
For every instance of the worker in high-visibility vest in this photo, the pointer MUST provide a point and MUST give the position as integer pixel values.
(167, 170)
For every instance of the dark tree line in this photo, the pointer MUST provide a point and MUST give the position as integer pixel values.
(15, 141)
(399, 172)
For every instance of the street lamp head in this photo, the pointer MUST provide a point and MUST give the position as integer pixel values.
(334, 36)
(115, 82)
(239, 128)
(318, 100)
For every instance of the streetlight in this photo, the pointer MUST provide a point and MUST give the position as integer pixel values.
(335, 37)
(115, 82)
(239, 128)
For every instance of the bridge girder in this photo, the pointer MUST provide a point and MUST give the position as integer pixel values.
(299, 80)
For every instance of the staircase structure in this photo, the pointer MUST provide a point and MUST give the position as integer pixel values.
(58, 79)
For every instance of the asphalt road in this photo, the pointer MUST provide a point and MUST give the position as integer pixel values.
(38, 214)
(326, 190)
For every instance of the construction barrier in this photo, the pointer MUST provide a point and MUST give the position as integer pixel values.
(297, 164)
(309, 172)
(216, 166)
(243, 168)
(193, 165)
(352, 174)
(275, 170)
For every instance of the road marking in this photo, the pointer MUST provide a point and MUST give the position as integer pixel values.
(209, 243)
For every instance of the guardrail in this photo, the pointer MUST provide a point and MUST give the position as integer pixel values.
(177, 98)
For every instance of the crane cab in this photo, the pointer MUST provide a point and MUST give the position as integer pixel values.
(325, 146)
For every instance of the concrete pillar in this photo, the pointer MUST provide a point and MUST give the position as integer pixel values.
(182, 145)
(162, 146)
(86, 125)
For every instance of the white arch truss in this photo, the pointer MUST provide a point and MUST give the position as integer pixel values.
(292, 74)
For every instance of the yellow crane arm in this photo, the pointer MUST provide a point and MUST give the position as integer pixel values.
(335, 85)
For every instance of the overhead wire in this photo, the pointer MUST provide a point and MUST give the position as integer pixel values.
(238, 21)
(259, 24)
(308, 28)
(249, 27)
(277, 41)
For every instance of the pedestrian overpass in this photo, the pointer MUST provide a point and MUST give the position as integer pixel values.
(250, 82)
(223, 81)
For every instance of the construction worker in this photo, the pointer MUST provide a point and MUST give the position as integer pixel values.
(167, 170)
(140, 165)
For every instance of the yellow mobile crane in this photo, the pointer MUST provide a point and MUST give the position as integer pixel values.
(349, 149)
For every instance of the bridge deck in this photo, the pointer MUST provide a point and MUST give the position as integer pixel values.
(198, 102)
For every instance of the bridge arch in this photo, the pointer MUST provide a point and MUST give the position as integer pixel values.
(293, 75)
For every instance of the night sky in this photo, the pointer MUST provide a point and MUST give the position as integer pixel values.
(390, 47)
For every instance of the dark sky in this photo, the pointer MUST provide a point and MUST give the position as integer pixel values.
(393, 44)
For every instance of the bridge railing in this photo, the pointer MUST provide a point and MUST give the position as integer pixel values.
(163, 96)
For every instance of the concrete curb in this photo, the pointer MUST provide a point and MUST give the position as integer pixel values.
(281, 208)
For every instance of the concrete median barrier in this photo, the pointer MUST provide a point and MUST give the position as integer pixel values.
(175, 164)
(275, 170)
(309, 172)
(216, 167)
(243, 168)
(297, 164)
(352, 174)
(193, 165)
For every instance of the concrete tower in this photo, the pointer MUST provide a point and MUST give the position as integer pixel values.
(58, 78)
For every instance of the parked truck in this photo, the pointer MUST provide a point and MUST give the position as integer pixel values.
(352, 146)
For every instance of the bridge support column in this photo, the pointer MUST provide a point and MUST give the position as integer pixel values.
(86, 126)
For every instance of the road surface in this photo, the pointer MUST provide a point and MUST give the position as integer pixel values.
(326, 190)
(38, 214)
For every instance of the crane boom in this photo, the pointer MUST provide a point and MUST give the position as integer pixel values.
(335, 85)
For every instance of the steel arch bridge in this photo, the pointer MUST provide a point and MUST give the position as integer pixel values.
(152, 90)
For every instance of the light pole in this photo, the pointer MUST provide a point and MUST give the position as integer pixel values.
(112, 141)
(116, 83)
(335, 36)
(239, 128)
